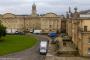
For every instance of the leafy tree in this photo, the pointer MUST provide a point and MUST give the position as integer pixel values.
(2, 30)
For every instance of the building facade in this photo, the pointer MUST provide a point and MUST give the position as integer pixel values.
(46, 22)
(78, 27)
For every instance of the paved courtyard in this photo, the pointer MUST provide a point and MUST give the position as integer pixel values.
(65, 58)
(52, 56)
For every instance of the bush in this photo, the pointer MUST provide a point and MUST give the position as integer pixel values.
(2, 30)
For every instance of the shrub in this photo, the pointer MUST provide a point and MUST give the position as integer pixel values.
(2, 30)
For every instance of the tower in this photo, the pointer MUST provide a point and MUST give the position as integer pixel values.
(34, 12)
(69, 9)
(76, 13)
(70, 12)
(67, 14)
(75, 9)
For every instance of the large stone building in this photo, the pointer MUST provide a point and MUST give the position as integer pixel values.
(46, 22)
(78, 27)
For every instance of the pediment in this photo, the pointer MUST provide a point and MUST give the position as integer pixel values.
(50, 15)
(8, 15)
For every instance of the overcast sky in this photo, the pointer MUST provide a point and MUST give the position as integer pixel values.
(43, 6)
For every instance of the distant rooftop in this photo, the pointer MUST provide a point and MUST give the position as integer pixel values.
(85, 12)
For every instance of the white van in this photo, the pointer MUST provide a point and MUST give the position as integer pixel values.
(37, 31)
(43, 47)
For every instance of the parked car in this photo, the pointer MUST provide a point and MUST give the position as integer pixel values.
(52, 34)
(63, 34)
(66, 38)
(19, 33)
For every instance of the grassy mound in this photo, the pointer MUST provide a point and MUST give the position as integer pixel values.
(14, 43)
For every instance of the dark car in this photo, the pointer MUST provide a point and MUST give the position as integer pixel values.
(19, 33)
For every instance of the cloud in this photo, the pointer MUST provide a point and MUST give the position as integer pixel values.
(43, 6)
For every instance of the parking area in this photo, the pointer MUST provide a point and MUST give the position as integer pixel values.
(51, 55)
(65, 58)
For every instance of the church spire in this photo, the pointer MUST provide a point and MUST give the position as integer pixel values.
(34, 12)
(69, 9)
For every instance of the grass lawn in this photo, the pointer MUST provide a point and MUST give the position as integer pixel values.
(14, 43)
